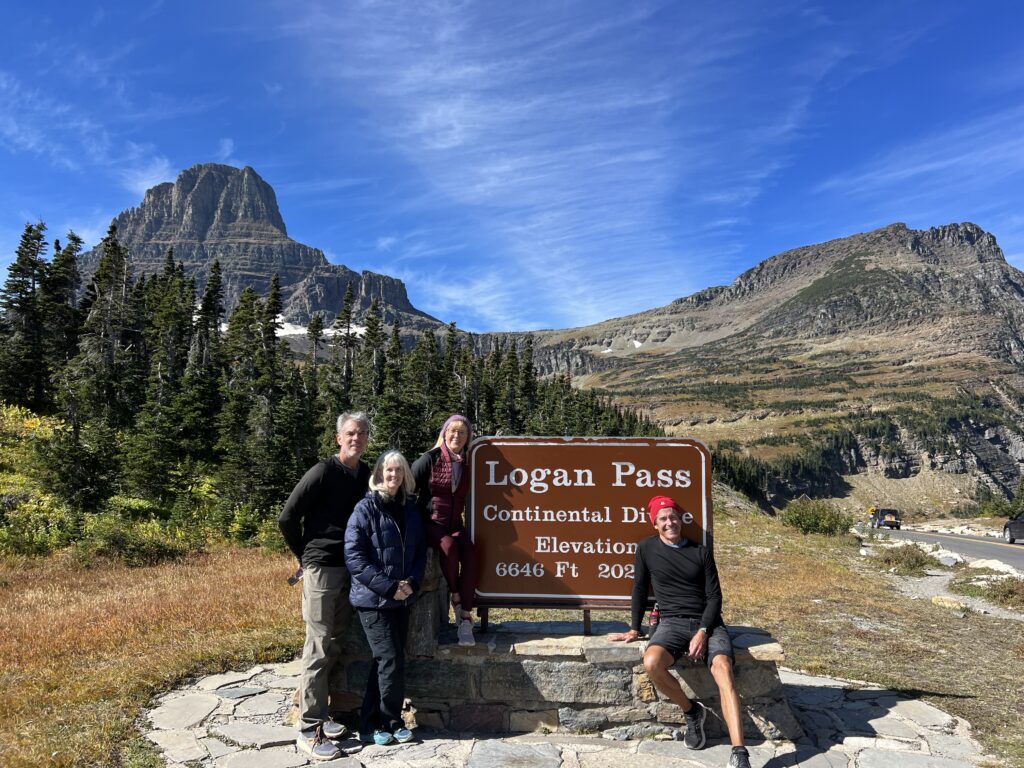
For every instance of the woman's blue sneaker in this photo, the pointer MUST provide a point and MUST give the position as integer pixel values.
(382, 738)
(402, 735)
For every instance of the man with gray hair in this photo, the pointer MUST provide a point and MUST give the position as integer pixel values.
(313, 525)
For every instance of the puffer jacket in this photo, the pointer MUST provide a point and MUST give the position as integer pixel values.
(377, 554)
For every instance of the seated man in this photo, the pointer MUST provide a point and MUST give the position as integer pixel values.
(690, 601)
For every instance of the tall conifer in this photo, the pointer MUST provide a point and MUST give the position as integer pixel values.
(23, 376)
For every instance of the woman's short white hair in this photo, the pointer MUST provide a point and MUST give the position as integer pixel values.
(386, 459)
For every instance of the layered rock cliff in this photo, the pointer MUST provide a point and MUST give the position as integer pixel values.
(218, 212)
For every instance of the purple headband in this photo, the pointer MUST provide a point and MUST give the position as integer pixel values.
(453, 418)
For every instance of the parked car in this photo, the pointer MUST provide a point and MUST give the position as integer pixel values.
(885, 518)
(1014, 529)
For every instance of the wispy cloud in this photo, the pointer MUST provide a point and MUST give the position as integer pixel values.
(146, 172)
(967, 155)
(566, 135)
(969, 170)
(319, 186)
(33, 122)
(225, 151)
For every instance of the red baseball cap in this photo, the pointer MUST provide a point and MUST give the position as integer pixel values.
(658, 503)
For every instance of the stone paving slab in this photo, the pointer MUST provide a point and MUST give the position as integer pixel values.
(286, 682)
(239, 693)
(216, 747)
(183, 712)
(712, 756)
(264, 704)
(629, 760)
(924, 714)
(286, 669)
(877, 758)
(178, 746)
(255, 735)
(213, 682)
(503, 754)
(279, 757)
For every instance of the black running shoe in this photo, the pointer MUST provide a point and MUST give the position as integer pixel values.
(693, 737)
(739, 759)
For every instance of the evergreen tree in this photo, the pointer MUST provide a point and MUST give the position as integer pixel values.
(62, 319)
(199, 402)
(451, 382)
(527, 387)
(154, 448)
(91, 386)
(368, 371)
(424, 390)
(346, 340)
(506, 390)
(238, 396)
(23, 375)
(487, 405)
(335, 387)
(392, 420)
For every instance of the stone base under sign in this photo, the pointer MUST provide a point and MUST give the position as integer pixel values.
(527, 676)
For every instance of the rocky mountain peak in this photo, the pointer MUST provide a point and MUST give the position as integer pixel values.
(218, 212)
(965, 243)
(206, 202)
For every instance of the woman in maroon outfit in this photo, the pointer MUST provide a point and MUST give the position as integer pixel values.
(442, 484)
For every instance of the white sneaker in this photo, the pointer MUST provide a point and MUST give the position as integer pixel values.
(466, 633)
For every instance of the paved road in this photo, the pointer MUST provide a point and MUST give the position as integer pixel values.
(977, 547)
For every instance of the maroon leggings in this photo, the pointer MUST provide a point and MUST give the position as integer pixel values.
(456, 548)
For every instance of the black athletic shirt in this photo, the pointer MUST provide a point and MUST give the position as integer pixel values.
(685, 582)
(314, 517)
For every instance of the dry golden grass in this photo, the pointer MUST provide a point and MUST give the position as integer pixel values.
(837, 613)
(84, 650)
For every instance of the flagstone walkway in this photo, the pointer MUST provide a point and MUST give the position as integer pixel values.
(235, 720)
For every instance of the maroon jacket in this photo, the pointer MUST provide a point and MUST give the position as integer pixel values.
(438, 503)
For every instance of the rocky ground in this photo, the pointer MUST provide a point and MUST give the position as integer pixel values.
(934, 585)
(235, 720)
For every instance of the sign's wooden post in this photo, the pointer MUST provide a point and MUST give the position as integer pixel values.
(556, 520)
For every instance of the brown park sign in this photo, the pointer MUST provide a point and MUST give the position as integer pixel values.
(555, 520)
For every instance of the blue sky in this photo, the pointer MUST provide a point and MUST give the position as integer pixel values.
(531, 164)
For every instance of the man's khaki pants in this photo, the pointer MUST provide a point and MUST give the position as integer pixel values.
(327, 613)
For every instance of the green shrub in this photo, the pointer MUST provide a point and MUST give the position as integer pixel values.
(35, 525)
(1009, 593)
(130, 508)
(245, 522)
(966, 510)
(269, 536)
(133, 543)
(816, 516)
(908, 560)
(81, 470)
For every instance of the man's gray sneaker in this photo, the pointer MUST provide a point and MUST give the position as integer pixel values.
(313, 743)
(739, 759)
(693, 736)
(334, 731)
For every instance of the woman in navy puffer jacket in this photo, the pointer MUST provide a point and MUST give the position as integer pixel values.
(385, 552)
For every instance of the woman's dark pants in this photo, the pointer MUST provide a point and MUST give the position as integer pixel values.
(386, 631)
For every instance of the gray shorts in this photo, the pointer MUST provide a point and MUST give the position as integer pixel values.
(674, 635)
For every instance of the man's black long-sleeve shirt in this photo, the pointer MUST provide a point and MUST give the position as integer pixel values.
(314, 517)
(685, 582)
